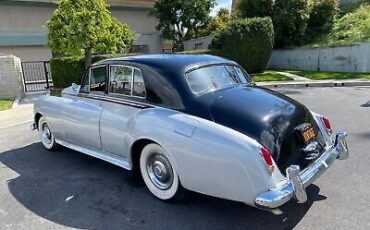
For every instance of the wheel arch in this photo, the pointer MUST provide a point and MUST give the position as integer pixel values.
(37, 117)
(135, 152)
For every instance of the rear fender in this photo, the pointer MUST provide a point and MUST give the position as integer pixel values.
(210, 158)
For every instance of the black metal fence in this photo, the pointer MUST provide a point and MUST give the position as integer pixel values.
(36, 76)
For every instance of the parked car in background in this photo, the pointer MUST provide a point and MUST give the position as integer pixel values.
(192, 122)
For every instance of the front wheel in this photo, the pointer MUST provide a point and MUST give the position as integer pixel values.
(159, 173)
(46, 136)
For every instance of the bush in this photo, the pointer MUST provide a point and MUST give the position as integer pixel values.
(246, 41)
(322, 15)
(68, 70)
(352, 27)
(290, 22)
(256, 8)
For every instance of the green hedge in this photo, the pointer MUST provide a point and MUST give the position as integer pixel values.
(68, 70)
(249, 42)
(353, 27)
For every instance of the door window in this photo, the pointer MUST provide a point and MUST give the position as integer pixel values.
(97, 79)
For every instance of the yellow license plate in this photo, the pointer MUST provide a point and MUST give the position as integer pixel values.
(308, 134)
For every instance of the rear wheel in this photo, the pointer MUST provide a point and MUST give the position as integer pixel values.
(46, 136)
(159, 173)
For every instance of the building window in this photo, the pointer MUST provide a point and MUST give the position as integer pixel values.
(142, 49)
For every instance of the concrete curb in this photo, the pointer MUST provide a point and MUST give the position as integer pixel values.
(314, 83)
(16, 102)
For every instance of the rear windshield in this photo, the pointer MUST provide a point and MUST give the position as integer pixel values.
(211, 78)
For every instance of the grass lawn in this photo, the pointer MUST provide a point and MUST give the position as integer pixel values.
(269, 76)
(6, 104)
(329, 75)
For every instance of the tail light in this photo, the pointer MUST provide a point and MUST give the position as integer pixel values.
(327, 124)
(267, 159)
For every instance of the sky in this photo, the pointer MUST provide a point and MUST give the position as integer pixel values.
(221, 4)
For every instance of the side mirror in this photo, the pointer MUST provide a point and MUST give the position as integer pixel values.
(75, 87)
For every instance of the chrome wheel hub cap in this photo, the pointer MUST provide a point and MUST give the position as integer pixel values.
(46, 134)
(160, 171)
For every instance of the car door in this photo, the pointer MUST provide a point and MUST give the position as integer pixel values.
(125, 91)
(82, 113)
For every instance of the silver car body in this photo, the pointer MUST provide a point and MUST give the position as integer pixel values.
(211, 159)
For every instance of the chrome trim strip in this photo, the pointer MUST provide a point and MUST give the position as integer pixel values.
(297, 181)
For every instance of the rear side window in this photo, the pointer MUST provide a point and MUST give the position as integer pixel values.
(120, 80)
(138, 87)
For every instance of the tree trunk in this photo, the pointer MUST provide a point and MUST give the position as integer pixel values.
(88, 58)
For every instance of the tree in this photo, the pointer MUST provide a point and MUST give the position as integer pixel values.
(180, 20)
(290, 21)
(82, 27)
(218, 22)
(256, 8)
(322, 16)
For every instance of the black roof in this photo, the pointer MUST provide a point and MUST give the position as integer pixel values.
(174, 62)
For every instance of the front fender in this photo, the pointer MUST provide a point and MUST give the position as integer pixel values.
(51, 108)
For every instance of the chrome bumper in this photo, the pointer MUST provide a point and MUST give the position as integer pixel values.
(297, 181)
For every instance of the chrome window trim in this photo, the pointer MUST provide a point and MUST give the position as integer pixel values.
(132, 80)
(120, 100)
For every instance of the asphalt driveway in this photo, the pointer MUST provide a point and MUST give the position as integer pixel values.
(66, 189)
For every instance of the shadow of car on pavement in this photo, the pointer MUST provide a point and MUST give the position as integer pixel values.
(75, 190)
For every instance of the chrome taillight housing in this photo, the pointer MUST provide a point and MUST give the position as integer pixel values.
(326, 122)
(267, 159)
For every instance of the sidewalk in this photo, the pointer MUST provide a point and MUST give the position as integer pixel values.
(21, 113)
(314, 83)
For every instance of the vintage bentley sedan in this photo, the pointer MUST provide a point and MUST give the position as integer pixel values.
(192, 122)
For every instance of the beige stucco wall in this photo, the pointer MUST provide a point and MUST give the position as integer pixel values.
(144, 27)
(23, 20)
(28, 53)
(11, 84)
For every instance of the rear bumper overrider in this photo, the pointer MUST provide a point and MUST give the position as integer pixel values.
(297, 181)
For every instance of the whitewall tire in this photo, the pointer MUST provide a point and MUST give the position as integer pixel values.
(46, 136)
(159, 173)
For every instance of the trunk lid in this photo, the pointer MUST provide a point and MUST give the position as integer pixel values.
(267, 116)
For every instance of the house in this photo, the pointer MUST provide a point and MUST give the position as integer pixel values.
(23, 30)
